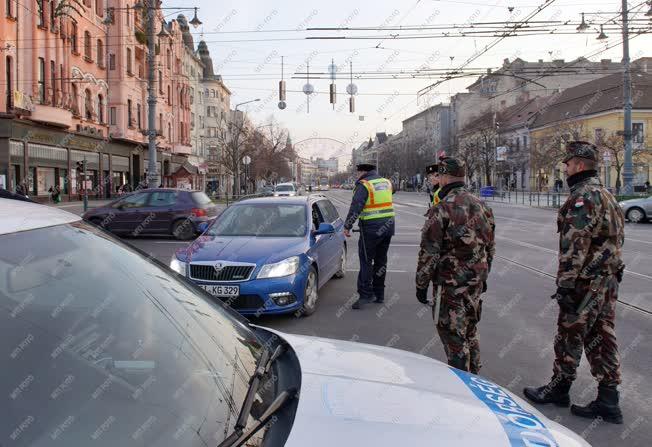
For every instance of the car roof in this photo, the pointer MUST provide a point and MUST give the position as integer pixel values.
(16, 215)
(297, 200)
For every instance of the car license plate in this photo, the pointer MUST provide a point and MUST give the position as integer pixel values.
(221, 291)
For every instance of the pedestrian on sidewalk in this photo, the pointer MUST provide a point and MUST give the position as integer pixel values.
(591, 234)
(457, 250)
(373, 208)
(55, 193)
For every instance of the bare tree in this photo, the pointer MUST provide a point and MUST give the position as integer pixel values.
(232, 135)
(613, 144)
(272, 154)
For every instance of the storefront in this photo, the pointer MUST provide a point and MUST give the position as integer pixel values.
(42, 159)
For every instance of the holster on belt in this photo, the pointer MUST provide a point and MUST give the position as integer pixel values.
(595, 285)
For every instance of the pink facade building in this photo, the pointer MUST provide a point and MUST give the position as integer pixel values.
(75, 78)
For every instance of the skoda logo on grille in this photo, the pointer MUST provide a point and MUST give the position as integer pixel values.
(218, 266)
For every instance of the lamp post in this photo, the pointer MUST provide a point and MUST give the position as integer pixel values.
(628, 166)
(153, 178)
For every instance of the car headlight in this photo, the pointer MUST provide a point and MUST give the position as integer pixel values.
(286, 267)
(178, 266)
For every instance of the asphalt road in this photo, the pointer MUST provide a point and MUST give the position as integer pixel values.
(518, 321)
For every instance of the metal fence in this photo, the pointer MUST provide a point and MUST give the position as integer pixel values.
(544, 199)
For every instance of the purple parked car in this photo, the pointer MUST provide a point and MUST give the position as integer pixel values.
(155, 211)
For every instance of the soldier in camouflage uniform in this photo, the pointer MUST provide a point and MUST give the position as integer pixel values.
(591, 235)
(457, 248)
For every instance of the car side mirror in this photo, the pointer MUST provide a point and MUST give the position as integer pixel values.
(324, 228)
(202, 227)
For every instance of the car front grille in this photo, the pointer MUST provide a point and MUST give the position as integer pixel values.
(245, 302)
(226, 273)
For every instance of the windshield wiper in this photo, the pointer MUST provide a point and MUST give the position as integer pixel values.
(239, 436)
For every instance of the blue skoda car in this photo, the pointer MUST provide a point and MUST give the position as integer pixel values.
(268, 255)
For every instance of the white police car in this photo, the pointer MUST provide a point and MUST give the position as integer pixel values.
(103, 346)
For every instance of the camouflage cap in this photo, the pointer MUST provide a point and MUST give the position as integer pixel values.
(451, 166)
(581, 149)
(431, 169)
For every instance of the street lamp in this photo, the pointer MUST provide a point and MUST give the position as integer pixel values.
(628, 165)
(246, 102)
(582, 26)
(195, 22)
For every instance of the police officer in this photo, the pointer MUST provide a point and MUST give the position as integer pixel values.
(372, 207)
(591, 235)
(433, 179)
(457, 249)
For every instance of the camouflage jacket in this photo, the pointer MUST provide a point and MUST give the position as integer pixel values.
(457, 241)
(591, 229)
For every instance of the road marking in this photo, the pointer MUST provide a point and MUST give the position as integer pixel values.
(637, 240)
(388, 271)
(416, 204)
(547, 250)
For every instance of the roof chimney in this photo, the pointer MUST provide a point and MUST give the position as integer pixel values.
(541, 61)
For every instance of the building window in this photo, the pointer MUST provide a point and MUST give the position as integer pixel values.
(88, 105)
(53, 8)
(74, 101)
(112, 116)
(129, 72)
(160, 82)
(88, 51)
(99, 8)
(73, 38)
(53, 84)
(192, 120)
(130, 118)
(169, 96)
(160, 123)
(111, 61)
(138, 116)
(9, 4)
(168, 59)
(100, 109)
(41, 80)
(100, 53)
(40, 17)
(638, 135)
(128, 14)
(169, 132)
(9, 77)
(598, 134)
(61, 83)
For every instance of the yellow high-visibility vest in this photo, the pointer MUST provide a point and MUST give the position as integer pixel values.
(435, 197)
(379, 200)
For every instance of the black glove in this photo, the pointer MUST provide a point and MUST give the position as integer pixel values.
(422, 295)
(564, 297)
(619, 274)
(484, 286)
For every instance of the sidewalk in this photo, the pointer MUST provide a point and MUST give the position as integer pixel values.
(524, 198)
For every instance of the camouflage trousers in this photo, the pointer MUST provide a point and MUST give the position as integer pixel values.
(590, 330)
(459, 315)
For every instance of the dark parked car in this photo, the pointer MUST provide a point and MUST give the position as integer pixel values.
(155, 211)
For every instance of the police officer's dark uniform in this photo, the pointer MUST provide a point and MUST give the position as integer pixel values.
(434, 189)
(372, 207)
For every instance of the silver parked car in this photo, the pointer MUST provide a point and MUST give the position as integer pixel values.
(637, 210)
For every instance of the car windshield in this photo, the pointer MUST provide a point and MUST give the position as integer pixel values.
(102, 344)
(261, 220)
(285, 188)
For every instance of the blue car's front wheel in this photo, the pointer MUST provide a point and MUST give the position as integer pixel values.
(310, 294)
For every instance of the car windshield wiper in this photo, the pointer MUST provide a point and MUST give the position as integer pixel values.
(239, 435)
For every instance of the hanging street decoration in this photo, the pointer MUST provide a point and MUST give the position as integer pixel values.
(281, 88)
(308, 89)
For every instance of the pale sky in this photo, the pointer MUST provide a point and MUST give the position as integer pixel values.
(252, 69)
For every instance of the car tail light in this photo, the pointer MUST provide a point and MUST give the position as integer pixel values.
(199, 212)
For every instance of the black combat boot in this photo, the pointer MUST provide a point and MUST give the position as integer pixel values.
(605, 406)
(556, 392)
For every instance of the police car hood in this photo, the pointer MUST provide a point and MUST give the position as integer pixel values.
(358, 394)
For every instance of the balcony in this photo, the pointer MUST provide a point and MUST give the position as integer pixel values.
(52, 115)
(182, 148)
